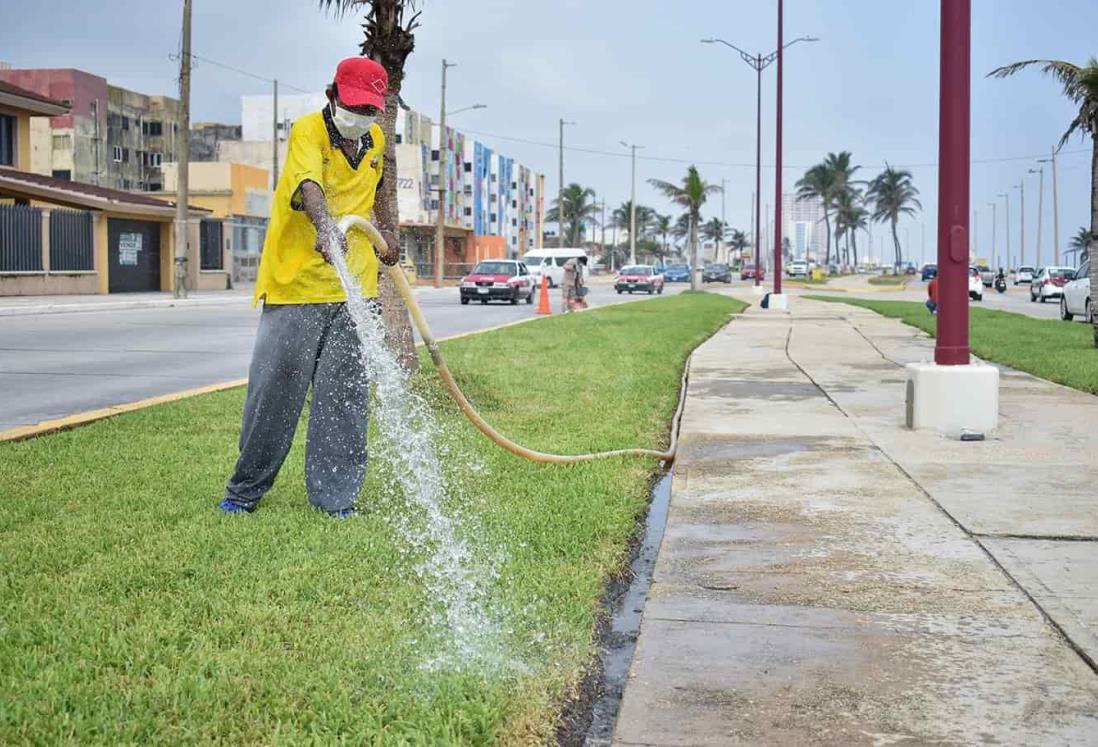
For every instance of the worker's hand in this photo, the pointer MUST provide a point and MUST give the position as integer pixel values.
(390, 253)
(328, 236)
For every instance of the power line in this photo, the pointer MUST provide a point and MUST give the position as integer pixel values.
(727, 164)
(241, 71)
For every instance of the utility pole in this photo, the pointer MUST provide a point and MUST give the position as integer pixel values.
(723, 224)
(274, 154)
(1006, 196)
(778, 166)
(1021, 186)
(440, 228)
(994, 220)
(1040, 209)
(1055, 207)
(560, 186)
(602, 239)
(182, 191)
(632, 203)
(754, 218)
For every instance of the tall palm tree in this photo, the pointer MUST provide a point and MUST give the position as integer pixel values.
(579, 208)
(851, 216)
(661, 224)
(681, 228)
(1080, 84)
(389, 38)
(737, 242)
(1080, 242)
(691, 194)
(893, 194)
(828, 180)
(714, 230)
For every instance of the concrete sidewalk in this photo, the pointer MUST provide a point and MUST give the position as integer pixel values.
(828, 577)
(33, 305)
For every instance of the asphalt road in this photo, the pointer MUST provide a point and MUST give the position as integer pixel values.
(53, 365)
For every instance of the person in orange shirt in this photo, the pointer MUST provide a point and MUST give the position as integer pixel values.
(932, 295)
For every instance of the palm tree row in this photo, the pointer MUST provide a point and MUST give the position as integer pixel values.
(854, 203)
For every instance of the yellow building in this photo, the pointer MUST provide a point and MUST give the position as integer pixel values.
(64, 237)
(237, 193)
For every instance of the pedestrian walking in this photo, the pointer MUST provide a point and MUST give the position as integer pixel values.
(932, 295)
(306, 337)
(572, 287)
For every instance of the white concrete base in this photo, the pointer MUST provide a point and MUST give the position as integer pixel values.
(952, 399)
(758, 290)
(778, 302)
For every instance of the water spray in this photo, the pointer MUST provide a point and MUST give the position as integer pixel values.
(396, 275)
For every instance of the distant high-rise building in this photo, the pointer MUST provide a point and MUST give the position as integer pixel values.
(803, 224)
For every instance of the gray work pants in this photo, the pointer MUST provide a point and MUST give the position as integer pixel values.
(297, 345)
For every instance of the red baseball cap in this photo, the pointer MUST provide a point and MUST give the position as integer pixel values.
(361, 81)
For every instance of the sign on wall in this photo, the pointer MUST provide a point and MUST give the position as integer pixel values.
(129, 244)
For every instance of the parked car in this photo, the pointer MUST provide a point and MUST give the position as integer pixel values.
(929, 271)
(1049, 283)
(975, 284)
(1023, 274)
(986, 275)
(717, 273)
(638, 279)
(677, 274)
(550, 262)
(798, 268)
(498, 280)
(1075, 300)
(747, 272)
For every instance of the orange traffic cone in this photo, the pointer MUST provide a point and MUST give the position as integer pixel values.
(543, 300)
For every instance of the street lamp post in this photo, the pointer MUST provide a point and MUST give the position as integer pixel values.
(1055, 207)
(1021, 187)
(1006, 197)
(1040, 209)
(951, 348)
(632, 202)
(440, 228)
(560, 187)
(994, 220)
(759, 63)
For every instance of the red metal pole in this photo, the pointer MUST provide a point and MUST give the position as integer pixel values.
(758, 163)
(778, 167)
(951, 348)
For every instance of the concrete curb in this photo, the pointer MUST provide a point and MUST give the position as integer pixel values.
(78, 308)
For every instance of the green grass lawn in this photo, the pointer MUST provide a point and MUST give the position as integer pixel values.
(1058, 351)
(888, 280)
(134, 612)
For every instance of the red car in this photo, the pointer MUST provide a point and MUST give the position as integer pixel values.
(747, 272)
(498, 280)
(638, 279)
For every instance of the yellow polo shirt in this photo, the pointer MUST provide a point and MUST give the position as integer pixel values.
(291, 271)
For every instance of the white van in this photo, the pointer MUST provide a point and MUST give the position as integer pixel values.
(551, 262)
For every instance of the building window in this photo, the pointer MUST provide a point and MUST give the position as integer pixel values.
(514, 185)
(468, 166)
(117, 155)
(399, 138)
(493, 177)
(514, 222)
(434, 155)
(514, 203)
(434, 204)
(468, 211)
(63, 174)
(493, 217)
(61, 142)
(127, 184)
(152, 128)
(125, 123)
(125, 155)
(7, 140)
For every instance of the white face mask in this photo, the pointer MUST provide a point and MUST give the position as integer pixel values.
(350, 125)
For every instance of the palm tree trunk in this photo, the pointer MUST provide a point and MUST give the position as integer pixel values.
(398, 325)
(827, 226)
(896, 243)
(1093, 227)
(694, 216)
(854, 245)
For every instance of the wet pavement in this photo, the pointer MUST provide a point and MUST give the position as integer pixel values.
(829, 577)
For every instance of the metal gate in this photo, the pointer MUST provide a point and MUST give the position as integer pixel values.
(20, 239)
(71, 241)
(133, 250)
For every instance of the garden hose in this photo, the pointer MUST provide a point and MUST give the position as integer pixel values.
(396, 275)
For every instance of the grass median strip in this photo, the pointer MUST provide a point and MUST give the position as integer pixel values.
(134, 612)
(1059, 351)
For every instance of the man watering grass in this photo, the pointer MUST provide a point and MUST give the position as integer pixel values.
(306, 336)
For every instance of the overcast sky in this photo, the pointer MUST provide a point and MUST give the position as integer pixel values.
(634, 70)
